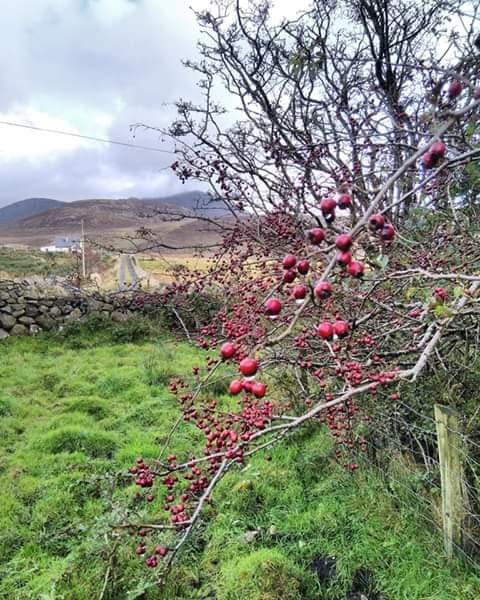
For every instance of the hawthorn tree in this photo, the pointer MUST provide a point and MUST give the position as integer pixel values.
(351, 260)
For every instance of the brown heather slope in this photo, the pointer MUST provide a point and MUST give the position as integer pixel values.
(110, 221)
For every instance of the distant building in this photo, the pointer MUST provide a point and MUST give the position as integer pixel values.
(63, 244)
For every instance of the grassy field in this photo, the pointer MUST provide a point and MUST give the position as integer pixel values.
(165, 268)
(77, 408)
(16, 262)
(25, 262)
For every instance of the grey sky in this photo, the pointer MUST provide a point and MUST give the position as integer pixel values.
(92, 67)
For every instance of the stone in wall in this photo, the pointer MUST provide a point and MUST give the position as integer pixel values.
(28, 309)
(32, 310)
(120, 316)
(7, 321)
(19, 329)
(26, 321)
(74, 315)
(45, 322)
(55, 312)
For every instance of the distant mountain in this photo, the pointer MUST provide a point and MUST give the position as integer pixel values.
(27, 208)
(121, 218)
(196, 202)
(97, 215)
(200, 203)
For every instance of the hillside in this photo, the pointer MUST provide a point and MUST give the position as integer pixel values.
(199, 202)
(27, 208)
(106, 219)
(110, 222)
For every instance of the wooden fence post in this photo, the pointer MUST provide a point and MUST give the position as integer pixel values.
(451, 453)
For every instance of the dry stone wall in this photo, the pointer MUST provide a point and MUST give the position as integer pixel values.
(26, 309)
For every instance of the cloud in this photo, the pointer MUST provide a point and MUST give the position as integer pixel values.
(92, 67)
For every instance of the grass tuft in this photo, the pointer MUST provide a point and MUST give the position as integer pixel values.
(76, 439)
(265, 574)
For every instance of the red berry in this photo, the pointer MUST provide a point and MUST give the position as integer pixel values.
(247, 386)
(344, 242)
(316, 235)
(235, 387)
(344, 258)
(429, 160)
(289, 261)
(248, 366)
(161, 550)
(341, 328)
(325, 330)
(300, 292)
(344, 201)
(327, 205)
(303, 267)
(438, 148)
(323, 289)
(228, 350)
(259, 389)
(289, 276)
(151, 562)
(377, 221)
(454, 89)
(273, 306)
(355, 268)
(440, 294)
(388, 232)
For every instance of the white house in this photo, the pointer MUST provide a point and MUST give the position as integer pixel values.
(63, 244)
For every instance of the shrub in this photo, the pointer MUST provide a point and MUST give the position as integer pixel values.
(94, 329)
(195, 310)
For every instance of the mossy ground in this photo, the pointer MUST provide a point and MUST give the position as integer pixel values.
(76, 411)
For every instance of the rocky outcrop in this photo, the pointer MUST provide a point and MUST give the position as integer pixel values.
(26, 309)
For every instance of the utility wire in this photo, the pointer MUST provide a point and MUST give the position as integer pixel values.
(85, 137)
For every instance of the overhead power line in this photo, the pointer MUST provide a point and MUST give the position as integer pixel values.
(85, 137)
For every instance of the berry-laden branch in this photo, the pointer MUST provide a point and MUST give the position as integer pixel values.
(236, 435)
(224, 460)
(321, 308)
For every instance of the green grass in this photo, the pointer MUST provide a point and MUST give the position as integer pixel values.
(77, 408)
(18, 262)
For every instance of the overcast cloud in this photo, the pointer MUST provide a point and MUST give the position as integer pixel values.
(92, 67)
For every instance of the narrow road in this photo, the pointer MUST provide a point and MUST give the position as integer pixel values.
(131, 270)
(127, 275)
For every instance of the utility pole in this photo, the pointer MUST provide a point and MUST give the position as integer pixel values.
(82, 244)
